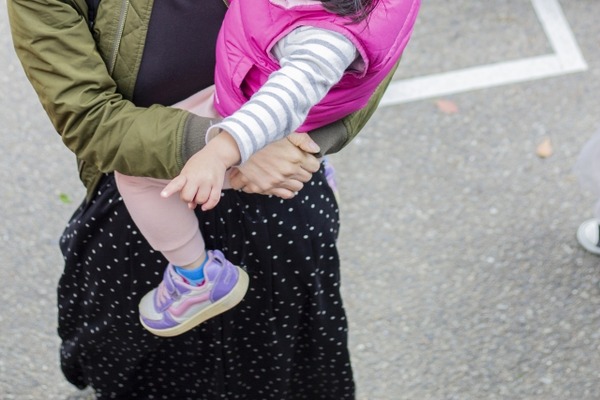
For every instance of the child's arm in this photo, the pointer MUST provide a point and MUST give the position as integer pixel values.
(312, 61)
(260, 176)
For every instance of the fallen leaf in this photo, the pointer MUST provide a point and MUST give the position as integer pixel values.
(447, 106)
(544, 149)
(64, 198)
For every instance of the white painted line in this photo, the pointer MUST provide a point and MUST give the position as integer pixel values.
(567, 59)
(559, 34)
(471, 79)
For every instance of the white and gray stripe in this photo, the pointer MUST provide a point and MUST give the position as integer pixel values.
(312, 61)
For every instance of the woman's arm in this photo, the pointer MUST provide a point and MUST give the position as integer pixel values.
(86, 106)
(334, 137)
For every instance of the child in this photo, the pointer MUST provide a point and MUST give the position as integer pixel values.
(587, 169)
(282, 66)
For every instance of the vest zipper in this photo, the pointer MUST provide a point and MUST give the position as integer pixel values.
(119, 35)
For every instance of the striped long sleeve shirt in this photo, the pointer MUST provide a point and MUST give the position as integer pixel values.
(312, 60)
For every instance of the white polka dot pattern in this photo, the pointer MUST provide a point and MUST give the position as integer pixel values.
(286, 340)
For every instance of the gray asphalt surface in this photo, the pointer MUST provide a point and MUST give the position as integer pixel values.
(461, 273)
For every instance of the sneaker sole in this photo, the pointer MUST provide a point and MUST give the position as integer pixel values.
(583, 240)
(226, 303)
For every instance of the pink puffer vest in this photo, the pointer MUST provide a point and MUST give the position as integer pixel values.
(252, 27)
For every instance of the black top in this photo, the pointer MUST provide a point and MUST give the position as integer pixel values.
(179, 54)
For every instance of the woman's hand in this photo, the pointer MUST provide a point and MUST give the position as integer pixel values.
(279, 169)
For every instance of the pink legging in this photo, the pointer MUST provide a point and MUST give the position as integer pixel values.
(169, 225)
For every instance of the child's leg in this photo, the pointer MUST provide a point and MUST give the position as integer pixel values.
(169, 225)
(197, 284)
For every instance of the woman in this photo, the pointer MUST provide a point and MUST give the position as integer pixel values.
(104, 71)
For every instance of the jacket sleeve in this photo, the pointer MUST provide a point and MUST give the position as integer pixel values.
(335, 136)
(60, 58)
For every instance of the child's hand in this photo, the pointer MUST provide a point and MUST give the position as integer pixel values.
(201, 179)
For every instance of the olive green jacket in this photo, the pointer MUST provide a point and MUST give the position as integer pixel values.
(85, 80)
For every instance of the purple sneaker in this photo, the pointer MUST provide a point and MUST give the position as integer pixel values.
(175, 306)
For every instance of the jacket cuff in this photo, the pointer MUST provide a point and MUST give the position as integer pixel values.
(194, 134)
(330, 138)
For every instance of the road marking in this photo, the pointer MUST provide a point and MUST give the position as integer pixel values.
(567, 58)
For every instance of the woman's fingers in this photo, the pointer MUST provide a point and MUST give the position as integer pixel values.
(279, 169)
(304, 142)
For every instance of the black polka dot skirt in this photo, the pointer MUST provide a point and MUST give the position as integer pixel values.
(286, 340)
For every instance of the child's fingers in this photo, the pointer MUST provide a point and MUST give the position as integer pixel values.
(202, 195)
(189, 193)
(174, 186)
(213, 199)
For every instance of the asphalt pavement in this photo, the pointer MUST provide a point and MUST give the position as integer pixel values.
(461, 273)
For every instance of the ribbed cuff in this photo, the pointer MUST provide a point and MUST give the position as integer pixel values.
(194, 134)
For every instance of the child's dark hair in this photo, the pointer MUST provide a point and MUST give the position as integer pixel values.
(356, 10)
